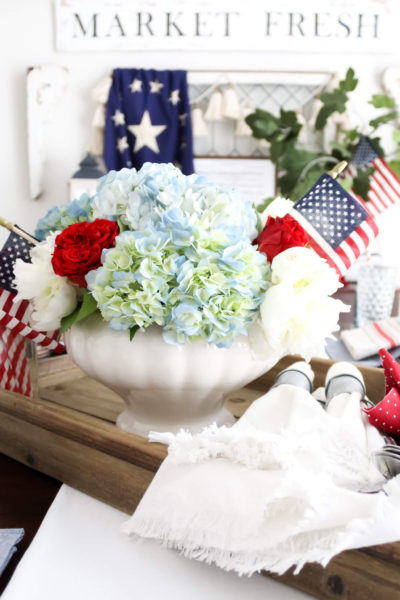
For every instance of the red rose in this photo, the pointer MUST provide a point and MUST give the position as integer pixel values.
(78, 248)
(280, 234)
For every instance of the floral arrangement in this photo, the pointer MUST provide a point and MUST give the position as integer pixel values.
(156, 247)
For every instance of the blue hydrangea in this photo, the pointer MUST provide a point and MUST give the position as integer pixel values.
(137, 199)
(151, 277)
(60, 217)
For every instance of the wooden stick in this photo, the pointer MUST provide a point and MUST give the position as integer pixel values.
(8, 225)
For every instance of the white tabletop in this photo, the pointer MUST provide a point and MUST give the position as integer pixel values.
(79, 553)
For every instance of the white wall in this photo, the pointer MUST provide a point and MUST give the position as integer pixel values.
(27, 39)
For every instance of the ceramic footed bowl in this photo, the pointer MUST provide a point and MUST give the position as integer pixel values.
(165, 387)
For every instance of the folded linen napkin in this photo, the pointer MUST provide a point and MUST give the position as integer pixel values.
(278, 489)
(366, 341)
(8, 539)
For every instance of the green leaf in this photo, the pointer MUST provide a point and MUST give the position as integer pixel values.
(262, 123)
(341, 151)
(376, 142)
(306, 184)
(263, 205)
(395, 166)
(396, 136)
(383, 119)
(86, 308)
(335, 98)
(361, 182)
(349, 83)
(277, 150)
(382, 101)
(288, 121)
(351, 134)
(326, 111)
(132, 331)
(346, 183)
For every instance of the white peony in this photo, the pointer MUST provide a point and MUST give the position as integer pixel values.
(302, 267)
(278, 208)
(297, 313)
(51, 296)
(299, 321)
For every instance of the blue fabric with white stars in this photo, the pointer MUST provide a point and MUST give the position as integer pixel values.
(331, 210)
(15, 247)
(365, 153)
(164, 94)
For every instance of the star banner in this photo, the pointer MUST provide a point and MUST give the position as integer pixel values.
(148, 120)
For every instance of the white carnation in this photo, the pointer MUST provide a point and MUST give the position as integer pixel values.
(302, 267)
(52, 297)
(297, 313)
(299, 321)
(278, 208)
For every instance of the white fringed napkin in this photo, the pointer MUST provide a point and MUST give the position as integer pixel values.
(278, 489)
(368, 340)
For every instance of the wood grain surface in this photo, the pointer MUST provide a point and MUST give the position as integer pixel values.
(70, 434)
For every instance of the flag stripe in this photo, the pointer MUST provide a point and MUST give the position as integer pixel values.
(388, 174)
(377, 189)
(383, 189)
(15, 314)
(318, 243)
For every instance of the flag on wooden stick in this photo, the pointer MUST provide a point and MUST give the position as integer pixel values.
(338, 227)
(384, 190)
(14, 321)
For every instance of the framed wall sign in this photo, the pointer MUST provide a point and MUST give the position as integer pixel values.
(315, 25)
(255, 177)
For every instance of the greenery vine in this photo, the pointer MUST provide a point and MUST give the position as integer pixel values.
(298, 167)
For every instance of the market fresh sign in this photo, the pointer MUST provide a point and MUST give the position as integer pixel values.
(347, 26)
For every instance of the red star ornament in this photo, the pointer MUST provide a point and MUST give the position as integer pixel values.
(386, 414)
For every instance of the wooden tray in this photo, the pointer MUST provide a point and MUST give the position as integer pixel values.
(70, 434)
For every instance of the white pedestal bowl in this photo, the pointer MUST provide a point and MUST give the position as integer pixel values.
(165, 387)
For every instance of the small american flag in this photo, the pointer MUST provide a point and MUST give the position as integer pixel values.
(338, 227)
(14, 319)
(384, 188)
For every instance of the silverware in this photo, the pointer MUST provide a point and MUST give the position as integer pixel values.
(387, 461)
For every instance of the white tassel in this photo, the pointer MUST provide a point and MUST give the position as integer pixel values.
(333, 83)
(230, 104)
(101, 91)
(264, 144)
(99, 117)
(100, 95)
(242, 128)
(316, 107)
(345, 122)
(199, 126)
(214, 110)
(303, 135)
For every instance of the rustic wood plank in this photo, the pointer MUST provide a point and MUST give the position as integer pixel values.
(103, 476)
(351, 575)
(55, 369)
(85, 395)
(87, 430)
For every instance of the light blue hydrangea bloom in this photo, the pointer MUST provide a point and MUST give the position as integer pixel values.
(139, 198)
(184, 258)
(60, 217)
